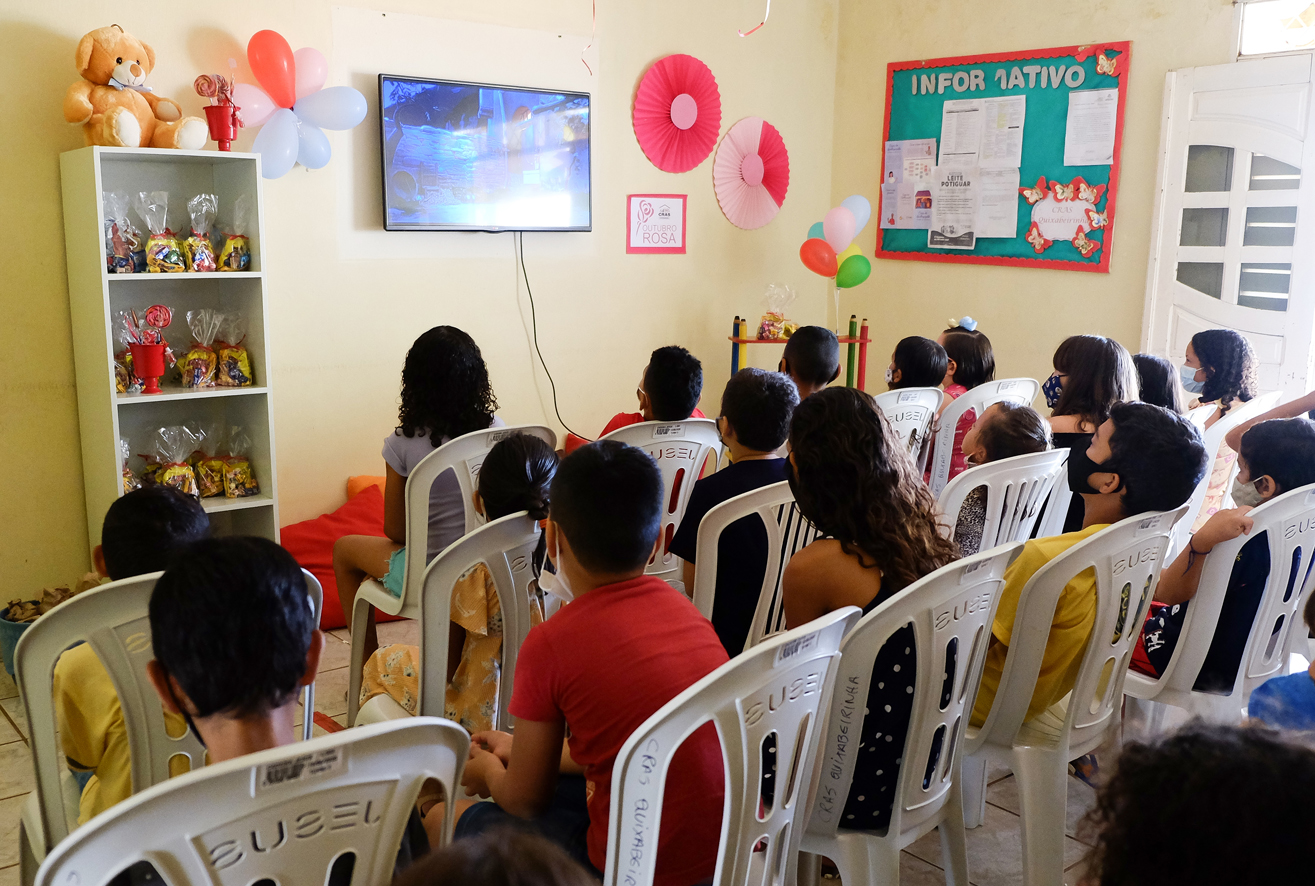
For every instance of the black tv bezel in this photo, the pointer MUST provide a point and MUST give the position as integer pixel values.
(490, 229)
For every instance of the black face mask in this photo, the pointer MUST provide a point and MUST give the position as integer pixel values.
(1080, 469)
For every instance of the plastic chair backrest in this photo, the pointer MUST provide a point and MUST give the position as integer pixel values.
(787, 534)
(1018, 390)
(279, 816)
(1213, 438)
(1055, 511)
(506, 547)
(1288, 521)
(113, 620)
(1126, 558)
(950, 611)
(463, 456)
(910, 412)
(680, 449)
(1016, 489)
(778, 689)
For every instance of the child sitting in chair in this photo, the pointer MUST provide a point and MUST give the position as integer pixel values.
(669, 390)
(811, 359)
(142, 533)
(626, 645)
(917, 363)
(1006, 429)
(755, 418)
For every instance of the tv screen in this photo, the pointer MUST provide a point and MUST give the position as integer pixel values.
(472, 157)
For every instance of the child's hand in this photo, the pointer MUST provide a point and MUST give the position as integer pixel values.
(480, 769)
(1221, 527)
(496, 743)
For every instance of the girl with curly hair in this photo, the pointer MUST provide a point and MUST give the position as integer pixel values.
(1221, 368)
(445, 393)
(857, 483)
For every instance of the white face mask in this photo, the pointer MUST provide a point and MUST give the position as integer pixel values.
(556, 584)
(1188, 376)
(1246, 494)
(890, 375)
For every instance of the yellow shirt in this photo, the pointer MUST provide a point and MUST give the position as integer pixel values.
(92, 731)
(1069, 630)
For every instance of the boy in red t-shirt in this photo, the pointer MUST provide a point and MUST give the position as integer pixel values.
(669, 390)
(626, 645)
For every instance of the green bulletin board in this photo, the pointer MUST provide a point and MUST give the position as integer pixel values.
(916, 92)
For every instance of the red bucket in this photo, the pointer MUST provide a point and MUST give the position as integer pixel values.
(148, 364)
(222, 120)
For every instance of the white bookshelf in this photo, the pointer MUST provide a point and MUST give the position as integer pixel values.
(95, 298)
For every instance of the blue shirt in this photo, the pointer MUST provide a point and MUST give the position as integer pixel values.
(1285, 702)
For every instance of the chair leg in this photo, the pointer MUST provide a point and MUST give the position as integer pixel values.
(864, 860)
(954, 839)
(973, 781)
(360, 622)
(810, 869)
(308, 713)
(27, 859)
(1042, 775)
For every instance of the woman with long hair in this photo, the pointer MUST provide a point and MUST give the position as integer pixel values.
(856, 482)
(1221, 368)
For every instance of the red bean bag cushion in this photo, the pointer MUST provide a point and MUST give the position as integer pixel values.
(311, 543)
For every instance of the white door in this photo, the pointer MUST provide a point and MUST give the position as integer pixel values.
(1235, 222)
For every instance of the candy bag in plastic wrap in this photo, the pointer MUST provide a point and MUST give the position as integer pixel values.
(125, 333)
(200, 249)
(234, 368)
(198, 367)
(236, 254)
(174, 446)
(125, 252)
(239, 479)
(164, 254)
(777, 300)
(206, 462)
(130, 482)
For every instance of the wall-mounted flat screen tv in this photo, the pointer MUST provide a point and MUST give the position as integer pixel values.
(472, 157)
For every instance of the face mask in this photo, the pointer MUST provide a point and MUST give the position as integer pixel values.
(890, 375)
(556, 583)
(1245, 495)
(1190, 384)
(1052, 388)
(1080, 469)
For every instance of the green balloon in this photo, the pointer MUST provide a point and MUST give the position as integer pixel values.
(854, 271)
(815, 232)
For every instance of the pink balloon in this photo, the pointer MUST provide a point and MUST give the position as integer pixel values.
(312, 70)
(839, 228)
(257, 107)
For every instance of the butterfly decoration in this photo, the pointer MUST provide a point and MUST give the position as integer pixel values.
(1037, 240)
(1097, 220)
(1035, 195)
(1090, 193)
(1106, 65)
(1088, 248)
(1084, 52)
(1062, 192)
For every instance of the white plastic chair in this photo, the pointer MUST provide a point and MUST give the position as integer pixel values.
(1016, 489)
(777, 690)
(1289, 523)
(463, 456)
(113, 620)
(1055, 511)
(1017, 390)
(1213, 438)
(1126, 559)
(911, 412)
(506, 546)
(680, 449)
(950, 611)
(284, 816)
(787, 534)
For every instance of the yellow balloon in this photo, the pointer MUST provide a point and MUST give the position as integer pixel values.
(852, 250)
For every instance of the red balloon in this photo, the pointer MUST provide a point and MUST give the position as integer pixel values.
(271, 61)
(818, 256)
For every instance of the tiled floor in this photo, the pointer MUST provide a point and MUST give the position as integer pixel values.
(994, 849)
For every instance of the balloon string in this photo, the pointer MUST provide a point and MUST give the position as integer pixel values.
(766, 14)
(593, 32)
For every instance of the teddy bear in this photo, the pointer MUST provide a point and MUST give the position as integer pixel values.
(114, 105)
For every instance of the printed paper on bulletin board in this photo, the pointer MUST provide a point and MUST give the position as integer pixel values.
(916, 92)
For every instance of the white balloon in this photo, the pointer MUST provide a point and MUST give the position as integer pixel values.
(277, 144)
(313, 149)
(861, 209)
(338, 107)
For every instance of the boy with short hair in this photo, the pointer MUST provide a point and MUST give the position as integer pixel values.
(142, 533)
(756, 408)
(1142, 458)
(811, 359)
(626, 645)
(669, 389)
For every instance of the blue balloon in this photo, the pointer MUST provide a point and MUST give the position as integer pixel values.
(313, 149)
(815, 232)
(338, 107)
(861, 209)
(276, 143)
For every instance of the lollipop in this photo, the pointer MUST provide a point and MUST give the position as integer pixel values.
(159, 316)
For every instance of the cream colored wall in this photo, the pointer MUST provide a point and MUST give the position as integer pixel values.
(340, 324)
(1025, 311)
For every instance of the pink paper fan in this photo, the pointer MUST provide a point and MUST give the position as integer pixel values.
(751, 173)
(677, 113)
